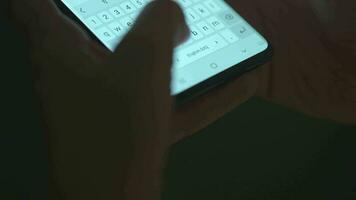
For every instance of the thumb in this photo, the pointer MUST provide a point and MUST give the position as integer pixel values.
(162, 19)
(141, 65)
(148, 47)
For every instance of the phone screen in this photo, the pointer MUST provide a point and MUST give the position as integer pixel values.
(220, 37)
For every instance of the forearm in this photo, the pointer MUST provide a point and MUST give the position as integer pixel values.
(312, 69)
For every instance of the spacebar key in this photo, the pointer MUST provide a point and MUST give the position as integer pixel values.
(199, 50)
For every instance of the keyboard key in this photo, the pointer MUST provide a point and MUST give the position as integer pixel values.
(127, 22)
(83, 11)
(200, 50)
(215, 23)
(107, 2)
(184, 3)
(242, 30)
(117, 12)
(139, 3)
(229, 17)
(195, 33)
(191, 16)
(91, 7)
(128, 7)
(205, 28)
(212, 6)
(229, 35)
(93, 22)
(105, 17)
(105, 34)
(201, 10)
(117, 28)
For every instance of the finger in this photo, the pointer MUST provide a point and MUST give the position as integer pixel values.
(163, 17)
(148, 48)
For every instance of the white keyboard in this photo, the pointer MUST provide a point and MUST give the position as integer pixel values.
(213, 24)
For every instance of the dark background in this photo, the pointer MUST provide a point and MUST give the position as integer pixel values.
(264, 151)
(258, 151)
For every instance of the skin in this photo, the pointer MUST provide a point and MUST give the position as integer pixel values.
(318, 37)
(114, 140)
(85, 91)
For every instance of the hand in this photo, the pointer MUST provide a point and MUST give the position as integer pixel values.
(69, 62)
(314, 47)
(188, 119)
(107, 115)
(338, 22)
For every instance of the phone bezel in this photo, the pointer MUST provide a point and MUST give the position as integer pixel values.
(189, 94)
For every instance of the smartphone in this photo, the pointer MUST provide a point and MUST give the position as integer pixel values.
(222, 46)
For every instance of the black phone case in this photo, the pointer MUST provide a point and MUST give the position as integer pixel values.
(203, 87)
